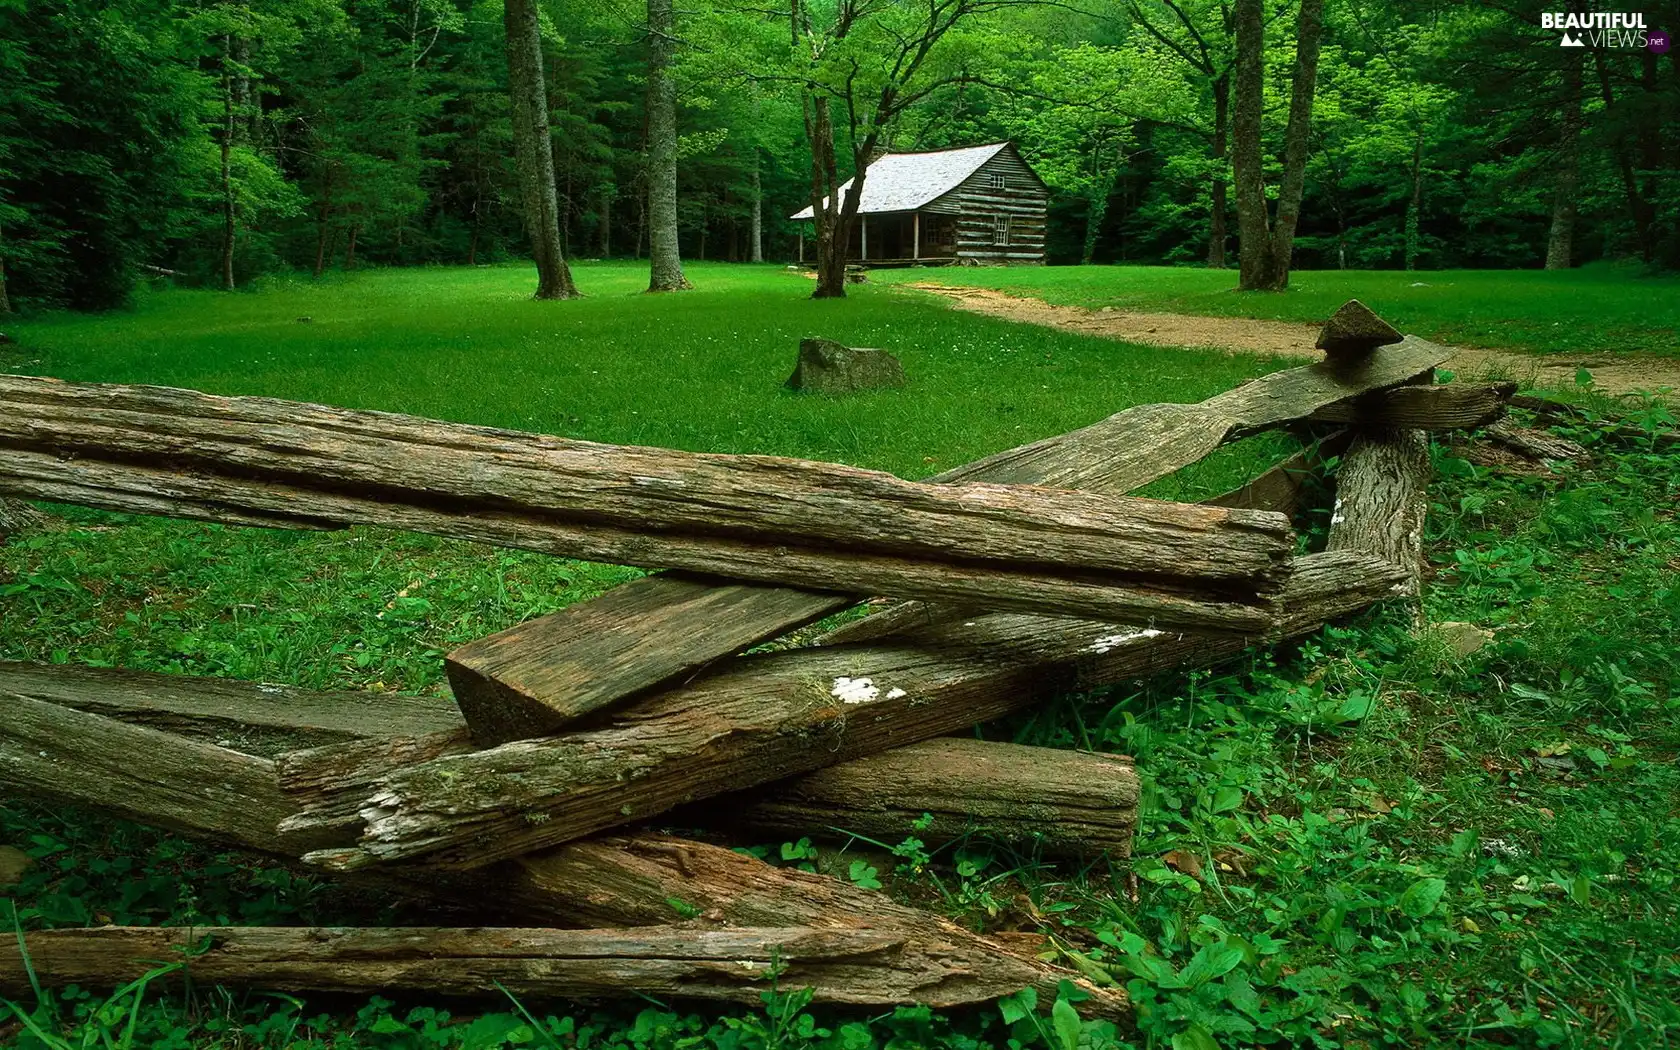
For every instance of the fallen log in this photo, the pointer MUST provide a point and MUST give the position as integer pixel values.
(81, 758)
(664, 629)
(1283, 489)
(764, 717)
(951, 788)
(157, 450)
(858, 967)
(256, 718)
(1615, 424)
(1455, 406)
(58, 753)
(1534, 443)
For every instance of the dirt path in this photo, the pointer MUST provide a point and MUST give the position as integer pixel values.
(1617, 374)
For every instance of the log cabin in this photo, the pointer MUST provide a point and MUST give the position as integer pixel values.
(979, 205)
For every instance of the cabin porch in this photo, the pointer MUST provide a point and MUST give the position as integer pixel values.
(899, 239)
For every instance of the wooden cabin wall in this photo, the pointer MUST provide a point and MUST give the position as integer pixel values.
(977, 203)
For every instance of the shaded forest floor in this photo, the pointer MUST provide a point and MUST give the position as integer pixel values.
(1368, 838)
(1612, 373)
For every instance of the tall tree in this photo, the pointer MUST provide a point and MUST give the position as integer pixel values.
(1560, 243)
(664, 257)
(535, 149)
(1266, 246)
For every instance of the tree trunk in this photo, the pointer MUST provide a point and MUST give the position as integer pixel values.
(1560, 244)
(832, 215)
(323, 223)
(757, 247)
(534, 146)
(604, 232)
(1296, 140)
(749, 517)
(1221, 131)
(227, 182)
(948, 789)
(1254, 254)
(666, 269)
(5, 300)
(1414, 207)
(1640, 210)
(1381, 499)
(350, 246)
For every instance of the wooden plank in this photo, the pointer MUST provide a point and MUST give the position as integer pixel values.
(59, 753)
(534, 678)
(855, 967)
(951, 788)
(1456, 406)
(160, 450)
(248, 716)
(90, 760)
(764, 717)
(1120, 453)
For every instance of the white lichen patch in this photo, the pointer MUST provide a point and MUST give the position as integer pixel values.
(1336, 515)
(1115, 641)
(895, 692)
(855, 690)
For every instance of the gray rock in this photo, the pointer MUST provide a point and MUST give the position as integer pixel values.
(827, 367)
(1354, 331)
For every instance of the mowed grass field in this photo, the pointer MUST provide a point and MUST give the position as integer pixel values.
(701, 370)
(1361, 840)
(1587, 311)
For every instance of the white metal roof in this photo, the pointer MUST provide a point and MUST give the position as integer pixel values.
(906, 181)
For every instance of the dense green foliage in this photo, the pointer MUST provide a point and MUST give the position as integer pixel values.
(327, 133)
(1359, 840)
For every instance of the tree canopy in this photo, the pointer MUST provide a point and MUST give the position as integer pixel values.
(226, 139)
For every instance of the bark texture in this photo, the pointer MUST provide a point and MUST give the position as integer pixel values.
(1061, 802)
(1456, 406)
(1560, 243)
(859, 967)
(765, 717)
(636, 879)
(666, 261)
(1265, 247)
(1123, 452)
(1382, 496)
(534, 149)
(277, 463)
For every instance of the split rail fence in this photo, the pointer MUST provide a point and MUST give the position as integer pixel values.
(1024, 575)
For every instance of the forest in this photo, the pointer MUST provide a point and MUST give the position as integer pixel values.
(217, 141)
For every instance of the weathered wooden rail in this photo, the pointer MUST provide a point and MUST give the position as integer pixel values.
(1028, 574)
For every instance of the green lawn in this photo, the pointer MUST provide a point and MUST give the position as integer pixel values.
(697, 370)
(1592, 310)
(1357, 841)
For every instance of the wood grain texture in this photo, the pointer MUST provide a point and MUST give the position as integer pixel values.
(255, 460)
(1382, 497)
(245, 716)
(229, 798)
(535, 678)
(856, 967)
(768, 716)
(1540, 445)
(1455, 406)
(1067, 803)
(658, 647)
(1283, 489)
(60, 754)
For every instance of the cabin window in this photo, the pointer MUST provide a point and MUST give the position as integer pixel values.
(997, 180)
(1000, 230)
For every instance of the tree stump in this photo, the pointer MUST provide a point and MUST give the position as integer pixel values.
(827, 367)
